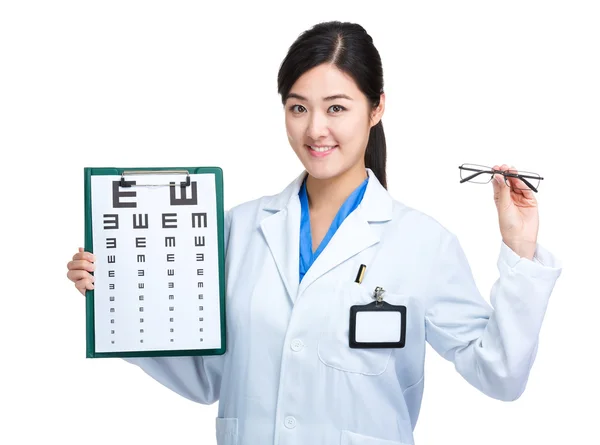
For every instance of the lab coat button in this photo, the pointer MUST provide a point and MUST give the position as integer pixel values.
(297, 345)
(290, 422)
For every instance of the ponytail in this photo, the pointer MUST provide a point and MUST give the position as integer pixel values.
(376, 153)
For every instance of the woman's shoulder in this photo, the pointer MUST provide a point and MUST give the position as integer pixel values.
(248, 208)
(268, 203)
(419, 223)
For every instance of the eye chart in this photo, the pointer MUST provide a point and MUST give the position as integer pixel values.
(157, 235)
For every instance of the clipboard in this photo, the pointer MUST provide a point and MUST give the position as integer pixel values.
(143, 192)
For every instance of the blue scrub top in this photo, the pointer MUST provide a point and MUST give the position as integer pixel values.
(307, 257)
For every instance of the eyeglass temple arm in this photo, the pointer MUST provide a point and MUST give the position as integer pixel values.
(468, 178)
(522, 178)
(519, 175)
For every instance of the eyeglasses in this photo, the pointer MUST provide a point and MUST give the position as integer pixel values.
(480, 174)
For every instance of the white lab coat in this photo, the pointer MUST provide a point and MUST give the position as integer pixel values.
(289, 376)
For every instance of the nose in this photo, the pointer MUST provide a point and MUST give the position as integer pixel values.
(317, 126)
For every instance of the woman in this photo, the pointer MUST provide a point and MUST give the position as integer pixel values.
(289, 374)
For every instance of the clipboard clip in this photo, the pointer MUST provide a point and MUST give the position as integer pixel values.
(187, 182)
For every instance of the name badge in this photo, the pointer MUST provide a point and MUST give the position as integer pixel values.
(377, 324)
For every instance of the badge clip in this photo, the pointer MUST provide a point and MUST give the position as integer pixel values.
(378, 295)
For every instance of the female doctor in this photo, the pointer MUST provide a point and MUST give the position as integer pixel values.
(289, 375)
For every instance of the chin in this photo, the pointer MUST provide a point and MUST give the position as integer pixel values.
(323, 171)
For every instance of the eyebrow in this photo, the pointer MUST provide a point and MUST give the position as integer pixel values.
(328, 98)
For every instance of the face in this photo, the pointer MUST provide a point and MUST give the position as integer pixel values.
(328, 120)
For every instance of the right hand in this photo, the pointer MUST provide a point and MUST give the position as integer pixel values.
(79, 270)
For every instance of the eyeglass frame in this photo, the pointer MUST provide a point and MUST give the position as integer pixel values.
(500, 172)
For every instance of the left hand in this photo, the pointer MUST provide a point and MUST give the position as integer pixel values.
(517, 214)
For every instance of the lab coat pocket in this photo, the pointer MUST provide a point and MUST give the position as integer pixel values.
(334, 348)
(350, 438)
(227, 431)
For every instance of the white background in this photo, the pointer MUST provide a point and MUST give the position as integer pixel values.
(146, 83)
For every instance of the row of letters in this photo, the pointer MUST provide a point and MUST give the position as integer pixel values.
(140, 242)
(140, 221)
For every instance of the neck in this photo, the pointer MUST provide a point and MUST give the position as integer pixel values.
(328, 195)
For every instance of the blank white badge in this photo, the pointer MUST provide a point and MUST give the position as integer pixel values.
(378, 327)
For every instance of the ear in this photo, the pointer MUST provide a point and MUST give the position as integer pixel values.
(377, 112)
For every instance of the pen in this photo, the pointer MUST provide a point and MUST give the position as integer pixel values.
(361, 272)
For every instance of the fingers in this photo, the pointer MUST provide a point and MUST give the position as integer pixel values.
(520, 187)
(77, 275)
(81, 265)
(79, 269)
(499, 179)
(83, 285)
(83, 280)
(81, 255)
(517, 186)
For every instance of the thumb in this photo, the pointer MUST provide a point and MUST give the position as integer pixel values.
(501, 191)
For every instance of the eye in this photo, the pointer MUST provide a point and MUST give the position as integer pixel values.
(339, 108)
(297, 109)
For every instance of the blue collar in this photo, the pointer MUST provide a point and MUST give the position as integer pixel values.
(307, 257)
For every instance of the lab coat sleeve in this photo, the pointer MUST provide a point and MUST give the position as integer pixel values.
(197, 378)
(493, 348)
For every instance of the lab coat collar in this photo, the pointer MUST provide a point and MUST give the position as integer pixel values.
(376, 202)
(281, 228)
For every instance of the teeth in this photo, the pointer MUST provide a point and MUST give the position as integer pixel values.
(321, 149)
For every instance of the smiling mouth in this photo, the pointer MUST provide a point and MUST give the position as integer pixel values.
(321, 148)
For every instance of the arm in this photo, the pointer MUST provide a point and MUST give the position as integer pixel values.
(493, 348)
(197, 378)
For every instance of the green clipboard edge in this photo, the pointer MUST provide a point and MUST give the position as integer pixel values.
(90, 335)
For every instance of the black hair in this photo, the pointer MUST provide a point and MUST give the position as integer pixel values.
(348, 47)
